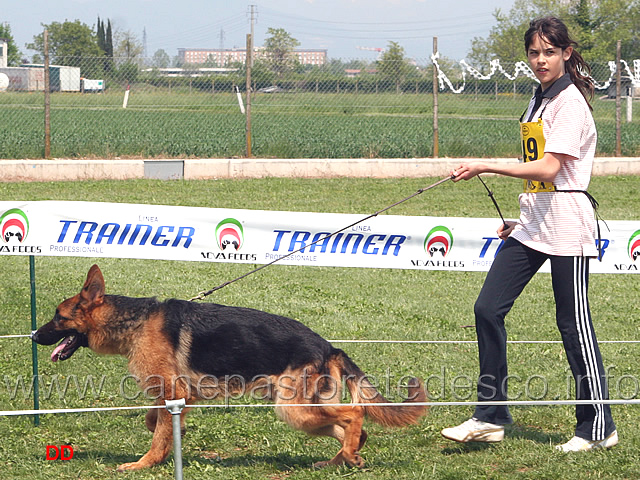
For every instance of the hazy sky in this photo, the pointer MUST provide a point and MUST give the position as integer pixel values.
(340, 26)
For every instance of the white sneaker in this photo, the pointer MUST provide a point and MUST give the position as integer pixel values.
(474, 430)
(577, 444)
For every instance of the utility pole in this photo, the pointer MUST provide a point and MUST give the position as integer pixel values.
(435, 102)
(144, 43)
(618, 152)
(47, 98)
(248, 100)
(221, 36)
(248, 86)
(254, 11)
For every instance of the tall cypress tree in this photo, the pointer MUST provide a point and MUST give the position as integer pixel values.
(107, 45)
(109, 40)
(101, 36)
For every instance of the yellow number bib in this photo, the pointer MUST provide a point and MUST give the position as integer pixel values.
(532, 149)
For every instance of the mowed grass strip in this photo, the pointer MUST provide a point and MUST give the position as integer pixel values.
(339, 303)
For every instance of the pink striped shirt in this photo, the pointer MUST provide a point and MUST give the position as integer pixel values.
(559, 223)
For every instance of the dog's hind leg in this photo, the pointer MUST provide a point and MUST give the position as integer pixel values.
(342, 423)
(337, 432)
(151, 419)
(348, 430)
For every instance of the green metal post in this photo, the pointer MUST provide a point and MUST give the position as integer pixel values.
(34, 346)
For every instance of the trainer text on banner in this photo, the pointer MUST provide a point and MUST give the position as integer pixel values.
(116, 230)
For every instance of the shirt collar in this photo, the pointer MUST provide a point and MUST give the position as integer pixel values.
(557, 86)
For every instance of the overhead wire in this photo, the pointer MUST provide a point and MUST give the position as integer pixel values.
(267, 11)
(302, 27)
(203, 33)
(356, 29)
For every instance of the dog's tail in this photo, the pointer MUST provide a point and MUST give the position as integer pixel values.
(363, 391)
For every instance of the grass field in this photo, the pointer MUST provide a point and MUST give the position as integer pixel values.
(339, 303)
(292, 125)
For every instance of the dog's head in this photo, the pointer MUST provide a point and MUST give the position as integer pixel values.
(72, 320)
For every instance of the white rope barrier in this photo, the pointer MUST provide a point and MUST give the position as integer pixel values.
(15, 413)
(420, 341)
(472, 341)
(429, 404)
(175, 408)
(513, 403)
(522, 68)
(635, 77)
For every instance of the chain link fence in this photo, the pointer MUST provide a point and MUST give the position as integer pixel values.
(110, 108)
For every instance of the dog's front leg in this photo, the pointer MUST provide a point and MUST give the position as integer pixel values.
(160, 445)
(151, 419)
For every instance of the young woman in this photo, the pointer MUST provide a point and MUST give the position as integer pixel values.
(556, 223)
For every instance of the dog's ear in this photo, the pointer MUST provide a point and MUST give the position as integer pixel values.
(92, 293)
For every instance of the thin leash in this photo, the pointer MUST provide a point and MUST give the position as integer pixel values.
(592, 200)
(495, 202)
(206, 293)
(490, 193)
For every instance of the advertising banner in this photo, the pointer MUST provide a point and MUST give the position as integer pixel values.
(117, 230)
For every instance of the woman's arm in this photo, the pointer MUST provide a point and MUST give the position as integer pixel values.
(544, 169)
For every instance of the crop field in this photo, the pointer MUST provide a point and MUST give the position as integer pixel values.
(341, 304)
(177, 123)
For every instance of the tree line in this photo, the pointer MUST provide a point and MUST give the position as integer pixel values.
(596, 25)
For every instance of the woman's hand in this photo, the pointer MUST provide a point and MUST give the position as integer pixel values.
(503, 233)
(467, 171)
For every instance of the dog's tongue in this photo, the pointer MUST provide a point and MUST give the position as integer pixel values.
(56, 352)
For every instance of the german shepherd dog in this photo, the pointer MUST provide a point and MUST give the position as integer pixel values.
(181, 349)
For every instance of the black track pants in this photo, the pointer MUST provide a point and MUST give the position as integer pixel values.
(512, 269)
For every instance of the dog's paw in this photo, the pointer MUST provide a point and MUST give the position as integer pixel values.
(319, 465)
(125, 467)
(357, 461)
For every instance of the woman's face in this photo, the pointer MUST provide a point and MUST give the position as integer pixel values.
(547, 60)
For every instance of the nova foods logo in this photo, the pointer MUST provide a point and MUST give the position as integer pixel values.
(14, 226)
(633, 246)
(230, 235)
(230, 239)
(438, 242)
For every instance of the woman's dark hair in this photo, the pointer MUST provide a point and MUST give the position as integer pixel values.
(554, 31)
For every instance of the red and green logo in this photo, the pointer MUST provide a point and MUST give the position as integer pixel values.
(439, 241)
(14, 225)
(633, 247)
(230, 234)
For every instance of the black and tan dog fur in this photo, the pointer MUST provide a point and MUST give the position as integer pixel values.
(180, 349)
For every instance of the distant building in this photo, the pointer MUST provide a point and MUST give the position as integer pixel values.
(30, 77)
(23, 78)
(356, 72)
(311, 57)
(226, 56)
(190, 72)
(4, 54)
